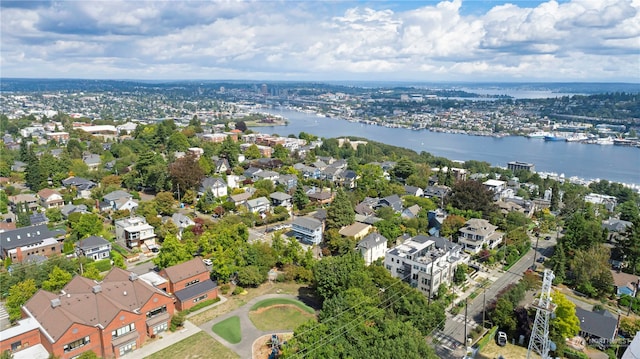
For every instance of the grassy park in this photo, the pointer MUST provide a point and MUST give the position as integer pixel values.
(200, 345)
(229, 329)
(280, 314)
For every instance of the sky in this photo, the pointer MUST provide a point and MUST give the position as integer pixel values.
(422, 41)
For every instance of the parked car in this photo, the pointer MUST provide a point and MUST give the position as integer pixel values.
(540, 260)
(502, 339)
(207, 261)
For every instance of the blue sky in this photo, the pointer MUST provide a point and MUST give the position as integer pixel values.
(454, 40)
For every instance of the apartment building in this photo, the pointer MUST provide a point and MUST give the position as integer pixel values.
(425, 262)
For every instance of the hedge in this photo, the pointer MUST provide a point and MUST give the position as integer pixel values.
(487, 338)
(102, 265)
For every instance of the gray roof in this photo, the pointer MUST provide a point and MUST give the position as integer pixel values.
(257, 202)
(92, 242)
(210, 182)
(372, 240)
(280, 196)
(307, 222)
(616, 225)
(392, 201)
(71, 208)
(195, 290)
(116, 195)
(601, 324)
(26, 236)
(38, 218)
(79, 182)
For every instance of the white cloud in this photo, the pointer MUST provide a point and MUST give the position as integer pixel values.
(583, 40)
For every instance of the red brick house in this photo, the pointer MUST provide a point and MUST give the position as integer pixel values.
(110, 318)
(190, 282)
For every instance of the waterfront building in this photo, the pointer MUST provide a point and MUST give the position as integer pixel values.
(516, 166)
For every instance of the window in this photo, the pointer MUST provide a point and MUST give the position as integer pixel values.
(192, 282)
(124, 330)
(160, 328)
(157, 311)
(16, 346)
(76, 344)
(53, 249)
(202, 297)
(129, 347)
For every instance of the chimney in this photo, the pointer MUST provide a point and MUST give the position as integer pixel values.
(96, 289)
(19, 254)
(55, 302)
(133, 276)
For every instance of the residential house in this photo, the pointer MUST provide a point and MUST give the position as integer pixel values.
(258, 205)
(288, 181)
(307, 229)
(356, 230)
(281, 199)
(367, 206)
(190, 282)
(425, 262)
(50, 198)
(609, 202)
(217, 186)
(221, 165)
(31, 201)
(372, 247)
(597, 327)
(477, 233)
(240, 198)
(348, 179)
(67, 209)
(321, 197)
(615, 227)
(411, 212)
(18, 166)
(266, 175)
(308, 172)
(38, 218)
(437, 192)
(251, 172)
(81, 185)
(414, 191)
(92, 161)
(235, 181)
(182, 222)
(134, 232)
(94, 247)
(625, 283)
(20, 243)
(111, 318)
(436, 219)
(125, 204)
(394, 202)
(117, 198)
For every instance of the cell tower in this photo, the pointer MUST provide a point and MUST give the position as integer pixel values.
(539, 341)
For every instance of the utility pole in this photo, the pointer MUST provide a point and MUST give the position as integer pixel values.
(484, 305)
(465, 323)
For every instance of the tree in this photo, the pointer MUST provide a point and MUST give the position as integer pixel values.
(172, 252)
(472, 195)
(88, 224)
(404, 168)
(300, 198)
(164, 203)
(555, 196)
(252, 152)
(629, 244)
(592, 270)
(186, 172)
(92, 272)
(629, 211)
(451, 225)
(559, 263)
(503, 315)
(177, 142)
(58, 278)
(280, 152)
(460, 274)
(341, 212)
(54, 214)
(251, 276)
(565, 324)
(241, 125)
(230, 150)
(19, 294)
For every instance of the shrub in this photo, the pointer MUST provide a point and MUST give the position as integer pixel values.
(103, 265)
(177, 320)
(224, 289)
(238, 290)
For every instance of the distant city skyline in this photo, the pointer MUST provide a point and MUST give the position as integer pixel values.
(418, 41)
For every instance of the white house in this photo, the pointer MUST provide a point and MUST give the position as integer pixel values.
(425, 262)
(50, 198)
(217, 186)
(477, 233)
(307, 229)
(135, 231)
(258, 205)
(372, 247)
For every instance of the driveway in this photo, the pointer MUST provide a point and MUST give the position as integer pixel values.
(249, 332)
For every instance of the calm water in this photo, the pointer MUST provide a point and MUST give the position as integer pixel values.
(615, 163)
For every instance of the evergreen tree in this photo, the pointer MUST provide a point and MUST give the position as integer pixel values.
(559, 263)
(300, 199)
(341, 212)
(230, 150)
(555, 196)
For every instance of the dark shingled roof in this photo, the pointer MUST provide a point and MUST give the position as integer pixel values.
(601, 324)
(195, 290)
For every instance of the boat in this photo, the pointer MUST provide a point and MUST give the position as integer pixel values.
(538, 134)
(577, 137)
(604, 141)
(555, 137)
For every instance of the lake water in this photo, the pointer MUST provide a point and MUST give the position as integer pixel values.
(614, 163)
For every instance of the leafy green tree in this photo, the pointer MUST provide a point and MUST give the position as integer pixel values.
(592, 270)
(503, 315)
(89, 224)
(565, 323)
(629, 244)
(404, 168)
(4, 202)
(629, 211)
(177, 142)
(186, 173)
(172, 252)
(54, 214)
(92, 272)
(241, 125)
(334, 274)
(280, 152)
(58, 278)
(251, 276)
(252, 152)
(89, 354)
(118, 260)
(341, 212)
(451, 225)
(460, 274)
(19, 294)
(472, 195)
(164, 203)
(230, 150)
(555, 196)
(559, 263)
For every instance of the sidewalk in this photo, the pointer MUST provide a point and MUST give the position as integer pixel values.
(168, 339)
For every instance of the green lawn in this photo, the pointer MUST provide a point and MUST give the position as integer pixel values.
(229, 329)
(199, 345)
(282, 317)
(275, 301)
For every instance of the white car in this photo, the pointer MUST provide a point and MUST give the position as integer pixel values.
(207, 261)
(502, 339)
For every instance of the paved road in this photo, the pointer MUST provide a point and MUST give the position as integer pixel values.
(451, 338)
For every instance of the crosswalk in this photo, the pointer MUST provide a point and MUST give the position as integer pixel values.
(460, 319)
(446, 341)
